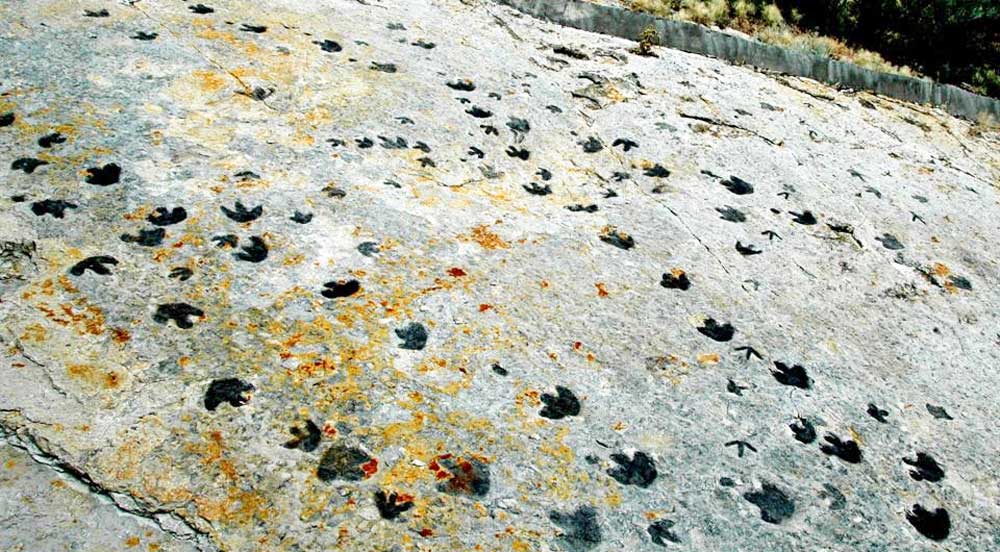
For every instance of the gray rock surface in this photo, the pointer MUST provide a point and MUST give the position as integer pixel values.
(509, 287)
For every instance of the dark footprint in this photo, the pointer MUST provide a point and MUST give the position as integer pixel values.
(368, 249)
(794, 376)
(775, 506)
(414, 336)
(383, 67)
(925, 468)
(27, 164)
(328, 45)
(55, 207)
(247, 28)
(580, 528)
(938, 412)
(878, 413)
(342, 462)
(578, 208)
(676, 279)
(747, 250)
(307, 439)
(934, 525)
(144, 36)
(165, 217)
(657, 171)
(625, 143)
(591, 145)
(717, 332)
(805, 218)
(737, 185)
(890, 242)
(535, 189)
(519, 153)
(201, 9)
(181, 273)
(241, 214)
(7, 119)
(640, 470)
(730, 214)
(660, 532)
(180, 313)
(464, 85)
(104, 176)
(847, 451)
(302, 218)
(50, 140)
(341, 288)
(617, 238)
(97, 13)
(803, 430)
(389, 506)
(94, 264)
(558, 406)
(255, 252)
(148, 237)
(228, 390)
(479, 112)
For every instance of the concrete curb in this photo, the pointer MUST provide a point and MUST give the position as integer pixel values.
(690, 37)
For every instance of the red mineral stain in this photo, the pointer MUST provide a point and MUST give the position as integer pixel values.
(370, 467)
(456, 272)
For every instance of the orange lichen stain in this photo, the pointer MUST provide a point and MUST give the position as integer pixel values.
(239, 507)
(120, 335)
(601, 290)
(544, 284)
(370, 467)
(161, 255)
(34, 333)
(426, 531)
(139, 213)
(619, 426)
(67, 285)
(59, 484)
(94, 376)
(212, 454)
(486, 238)
(10, 464)
(483, 307)
(292, 260)
(456, 272)
(132, 542)
(708, 359)
(210, 81)
(941, 270)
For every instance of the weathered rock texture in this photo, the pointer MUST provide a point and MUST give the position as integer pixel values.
(432, 275)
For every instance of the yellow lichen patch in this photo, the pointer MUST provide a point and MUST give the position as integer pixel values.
(95, 376)
(238, 507)
(212, 451)
(34, 333)
(210, 80)
(708, 359)
(486, 238)
(83, 317)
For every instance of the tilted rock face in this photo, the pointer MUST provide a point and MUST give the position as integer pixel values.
(431, 275)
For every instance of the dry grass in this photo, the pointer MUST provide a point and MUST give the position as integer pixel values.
(768, 25)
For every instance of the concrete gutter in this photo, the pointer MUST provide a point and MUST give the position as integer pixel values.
(694, 38)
